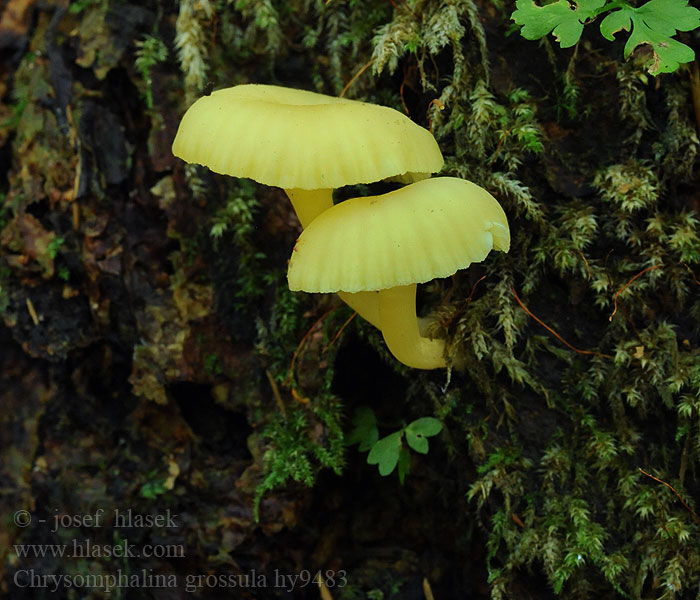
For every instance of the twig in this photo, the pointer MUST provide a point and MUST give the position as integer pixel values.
(554, 333)
(585, 262)
(448, 296)
(276, 393)
(325, 592)
(610, 284)
(31, 311)
(290, 376)
(517, 520)
(670, 487)
(624, 287)
(695, 279)
(498, 147)
(355, 76)
(471, 294)
(75, 214)
(427, 590)
(340, 331)
(464, 305)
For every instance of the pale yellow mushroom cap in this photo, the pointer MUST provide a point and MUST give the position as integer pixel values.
(297, 139)
(423, 231)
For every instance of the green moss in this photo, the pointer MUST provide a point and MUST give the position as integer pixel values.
(572, 503)
(304, 433)
(235, 223)
(149, 52)
(293, 453)
(81, 5)
(605, 252)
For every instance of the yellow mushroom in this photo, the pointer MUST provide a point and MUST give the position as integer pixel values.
(392, 242)
(306, 143)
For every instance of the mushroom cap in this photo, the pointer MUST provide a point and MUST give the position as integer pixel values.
(420, 232)
(297, 139)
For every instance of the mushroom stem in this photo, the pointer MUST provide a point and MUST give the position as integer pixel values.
(365, 304)
(399, 325)
(308, 204)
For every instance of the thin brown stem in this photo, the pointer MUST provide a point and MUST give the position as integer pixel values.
(695, 279)
(585, 262)
(624, 287)
(498, 147)
(355, 76)
(464, 304)
(276, 392)
(32, 311)
(297, 352)
(670, 487)
(554, 333)
(340, 331)
(440, 104)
